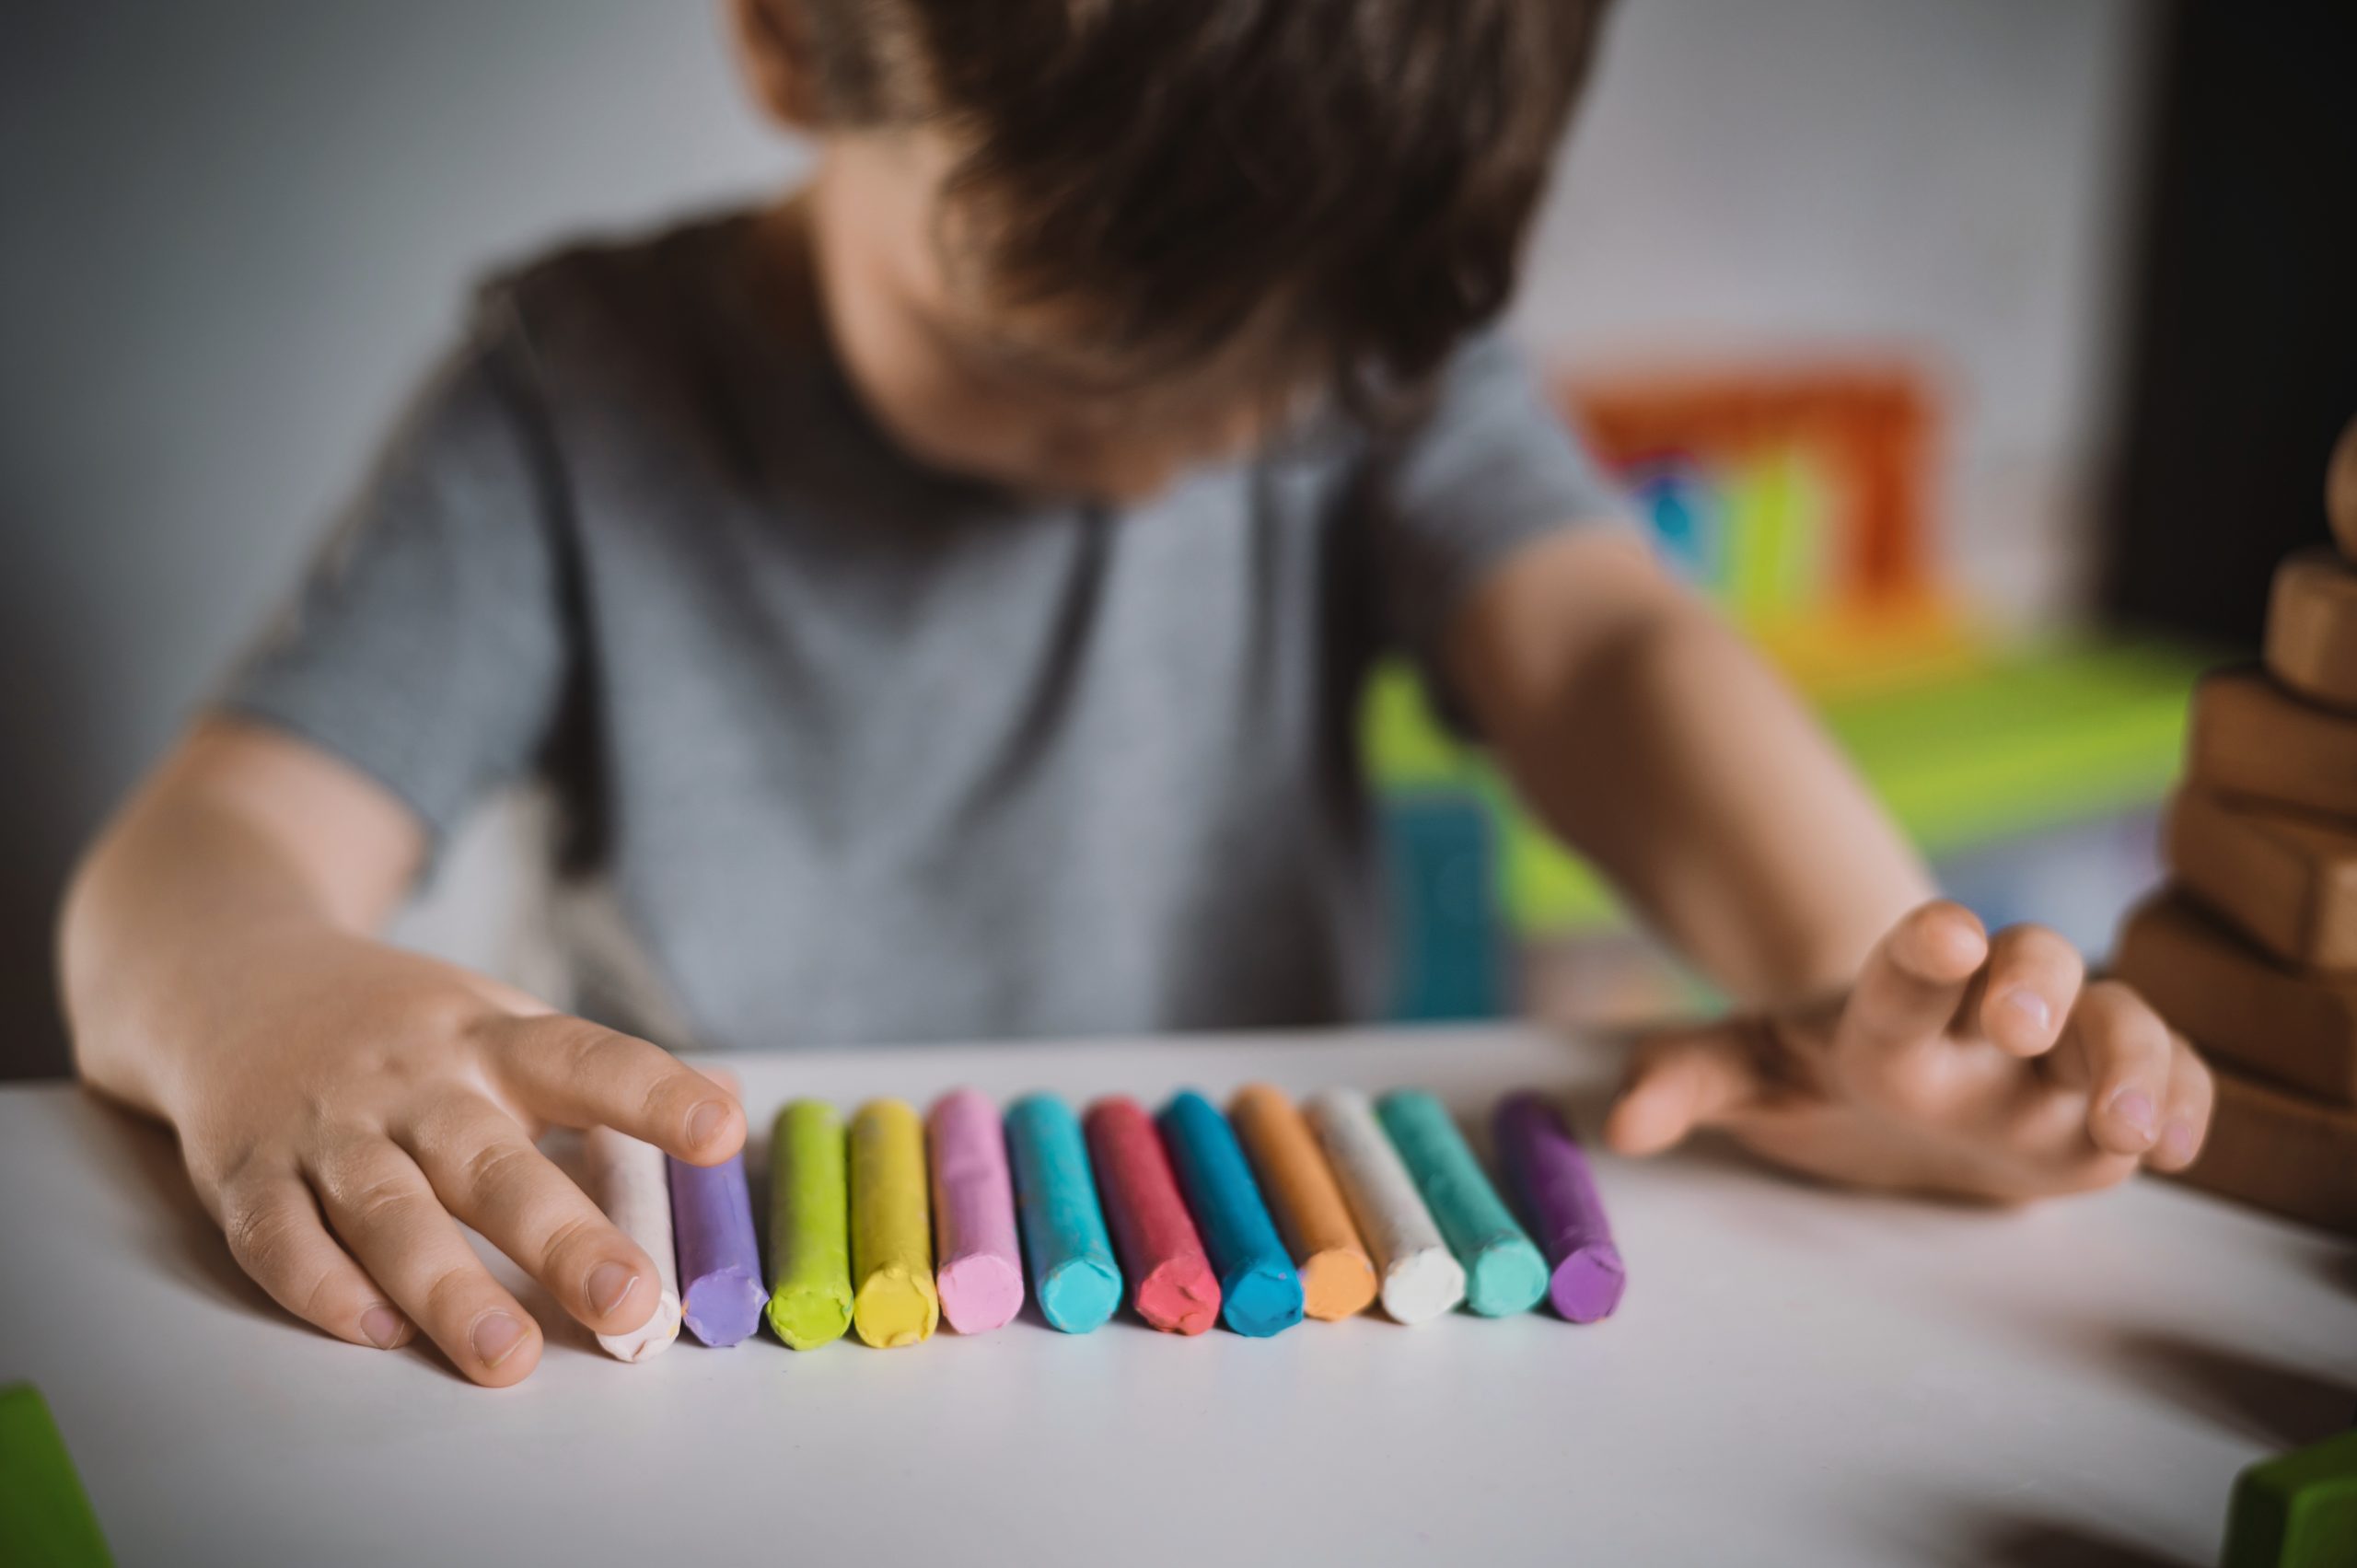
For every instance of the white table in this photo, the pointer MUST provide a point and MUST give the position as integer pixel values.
(1797, 1376)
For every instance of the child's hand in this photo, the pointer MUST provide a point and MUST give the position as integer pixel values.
(369, 1098)
(1959, 1063)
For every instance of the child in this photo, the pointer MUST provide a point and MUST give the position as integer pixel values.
(938, 602)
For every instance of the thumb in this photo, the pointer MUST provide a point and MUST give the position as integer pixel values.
(1680, 1082)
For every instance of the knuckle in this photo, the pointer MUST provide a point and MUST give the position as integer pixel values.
(382, 1201)
(568, 1234)
(1933, 938)
(612, 1069)
(449, 1292)
(2192, 1089)
(2108, 1009)
(2122, 1020)
(2039, 948)
(444, 1120)
(316, 1297)
(227, 1170)
(1943, 916)
(575, 1044)
(260, 1235)
(492, 1167)
(241, 1183)
(341, 1160)
(655, 1102)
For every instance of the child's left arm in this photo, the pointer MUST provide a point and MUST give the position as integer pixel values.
(1889, 1041)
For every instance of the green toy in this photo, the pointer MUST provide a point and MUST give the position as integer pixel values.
(45, 1516)
(2298, 1511)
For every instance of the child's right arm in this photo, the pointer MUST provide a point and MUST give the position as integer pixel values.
(338, 1100)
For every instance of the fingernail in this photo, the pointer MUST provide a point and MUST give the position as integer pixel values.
(609, 1286)
(2176, 1143)
(704, 1122)
(2032, 1006)
(382, 1326)
(496, 1337)
(2134, 1109)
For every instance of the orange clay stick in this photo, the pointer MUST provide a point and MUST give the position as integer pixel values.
(1337, 1276)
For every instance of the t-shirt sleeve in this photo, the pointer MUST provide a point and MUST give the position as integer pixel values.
(1489, 467)
(425, 646)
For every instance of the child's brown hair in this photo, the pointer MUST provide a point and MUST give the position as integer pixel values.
(1344, 183)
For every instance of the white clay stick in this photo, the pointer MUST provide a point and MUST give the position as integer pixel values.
(1421, 1279)
(632, 1183)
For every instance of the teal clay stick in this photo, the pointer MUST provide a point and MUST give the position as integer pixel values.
(1259, 1293)
(1503, 1271)
(810, 1227)
(1074, 1277)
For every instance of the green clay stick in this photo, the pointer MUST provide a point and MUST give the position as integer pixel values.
(1503, 1271)
(809, 1225)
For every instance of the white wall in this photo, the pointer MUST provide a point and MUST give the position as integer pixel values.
(233, 233)
(1947, 178)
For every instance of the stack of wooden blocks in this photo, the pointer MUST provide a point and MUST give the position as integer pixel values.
(2251, 950)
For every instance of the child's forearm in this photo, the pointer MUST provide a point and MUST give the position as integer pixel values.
(241, 845)
(342, 1104)
(1655, 742)
(1728, 817)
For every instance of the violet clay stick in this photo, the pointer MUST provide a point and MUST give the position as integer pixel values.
(721, 1296)
(1551, 1184)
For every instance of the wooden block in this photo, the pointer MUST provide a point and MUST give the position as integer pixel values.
(2250, 736)
(2286, 881)
(2341, 491)
(2312, 628)
(2297, 1510)
(2295, 1027)
(2279, 1152)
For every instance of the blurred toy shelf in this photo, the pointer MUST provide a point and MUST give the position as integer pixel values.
(1795, 497)
(2010, 745)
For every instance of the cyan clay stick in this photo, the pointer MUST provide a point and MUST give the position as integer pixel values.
(1074, 1277)
(721, 1296)
(1259, 1290)
(1422, 1278)
(978, 1261)
(627, 1179)
(1551, 1183)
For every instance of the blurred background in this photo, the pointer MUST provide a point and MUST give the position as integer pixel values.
(1982, 355)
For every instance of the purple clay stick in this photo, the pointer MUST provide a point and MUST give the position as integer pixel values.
(1550, 1183)
(721, 1293)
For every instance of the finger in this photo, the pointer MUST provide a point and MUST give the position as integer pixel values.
(1678, 1083)
(275, 1234)
(2184, 1111)
(2029, 983)
(485, 1171)
(1912, 985)
(2118, 1049)
(378, 1201)
(578, 1075)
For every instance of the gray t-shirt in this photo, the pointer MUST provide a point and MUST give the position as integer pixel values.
(858, 752)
